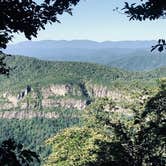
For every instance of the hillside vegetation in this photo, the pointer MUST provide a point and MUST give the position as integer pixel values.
(141, 61)
(65, 89)
(32, 71)
(130, 55)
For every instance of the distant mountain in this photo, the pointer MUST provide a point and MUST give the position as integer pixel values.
(88, 44)
(78, 50)
(131, 55)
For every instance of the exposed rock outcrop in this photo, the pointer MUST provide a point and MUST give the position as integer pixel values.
(58, 90)
(101, 91)
(65, 103)
(64, 95)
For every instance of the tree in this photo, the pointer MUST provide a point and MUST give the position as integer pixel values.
(150, 9)
(136, 141)
(28, 17)
(144, 138)
(13, 154)
(91, 144)
(4, 69)
(80, 147)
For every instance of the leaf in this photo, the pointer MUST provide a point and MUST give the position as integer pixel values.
(160, 48)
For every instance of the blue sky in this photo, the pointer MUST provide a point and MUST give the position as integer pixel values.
(96, 20)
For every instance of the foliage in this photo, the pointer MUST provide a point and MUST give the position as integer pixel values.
(152, 10)
(4, 69)
(28, 17)
(33, 132)
(33, 16)
(162, 83)
(161, 45)
(97, 113)
(141, 61)
(79, 147)
(13, 154)
(30, 71)
(152, 123)
(130, 141)
(90, 145)
(144, 140)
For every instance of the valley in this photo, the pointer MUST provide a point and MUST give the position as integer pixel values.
(128, 55)
(82, 83)
(41, 98)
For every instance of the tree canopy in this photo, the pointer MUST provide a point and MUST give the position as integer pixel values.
(28, 17)
(107, 138)
(79, 146)
(150, 9)
(13, 154)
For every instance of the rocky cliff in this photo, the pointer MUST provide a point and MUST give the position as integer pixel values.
(67, 96)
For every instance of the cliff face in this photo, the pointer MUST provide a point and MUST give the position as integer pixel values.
(65, 103)
(66, 96)
(58, 90)
(61, 90)
(100, 91)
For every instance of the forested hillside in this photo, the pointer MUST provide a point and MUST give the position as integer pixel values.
(31, 71)
(128, 55)
(41, 98)
(141, 61)
(82, 102)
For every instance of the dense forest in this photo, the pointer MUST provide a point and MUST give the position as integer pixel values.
(32, 71)
(87, 82)
(82, 114)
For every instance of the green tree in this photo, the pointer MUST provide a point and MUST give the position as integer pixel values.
(4, 69)
(137, 141)
(143, 138)
(28, 17)
(79, 147)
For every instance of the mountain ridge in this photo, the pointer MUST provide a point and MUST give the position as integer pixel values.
(112, 53)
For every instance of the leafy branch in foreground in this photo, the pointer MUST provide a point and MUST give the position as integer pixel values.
(13, 154)
(160, 46)
(28, 17)
(4, 69)
(152, 10)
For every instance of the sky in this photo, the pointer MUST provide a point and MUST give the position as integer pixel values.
(96, 20)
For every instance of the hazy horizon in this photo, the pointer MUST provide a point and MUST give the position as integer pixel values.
(70, 40)
(96, 20)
